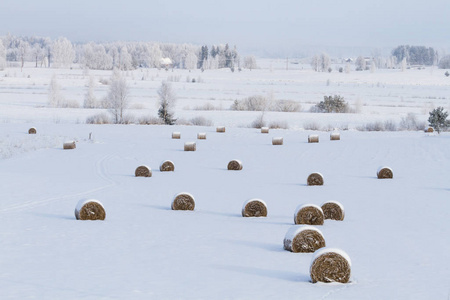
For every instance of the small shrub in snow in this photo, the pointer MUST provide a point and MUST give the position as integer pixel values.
(258, 122)
(101, 118)
(149, 120)
(286, 106)
(200, 121)
(278, 125)
(253, 103)
(311, 126)
(410, 122)
(331, 104)
(390, 125)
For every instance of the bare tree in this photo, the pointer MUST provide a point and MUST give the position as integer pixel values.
(250, 62)
(55, 98)
(117, 97)
(2, 56)
(89, 98)
(167, 99)
(63, 53)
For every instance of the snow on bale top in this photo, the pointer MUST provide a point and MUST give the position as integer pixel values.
(333, 210)
(303, 238)
(235, 165)
(183, 201)
(167, 166)
(330, 265)
(89, 209)
(143, 171)
(384, 172)
(315, 178)
(254, 208)
(309, 214)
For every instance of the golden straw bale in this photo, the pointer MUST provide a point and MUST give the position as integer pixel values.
(264, 129)
(385, 173)
(309, 214)
(143, 171)
(32, 130)
(201, 136)
(190, 146)
(429, 129)
(69, 145)
(277, 141)
(315, 179)
(313, 138)
(235, 165)
(220, 129)
(254, 208)
(89, 210)
(167, 166)
(304, 239)
(176, 135)
(330, 265)
(333, 210)
(183, 201)
(335, 136)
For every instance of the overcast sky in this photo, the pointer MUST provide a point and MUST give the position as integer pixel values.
(276, 25)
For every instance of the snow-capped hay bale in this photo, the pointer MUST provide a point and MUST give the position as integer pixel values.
(277, 141)
(335, 136)
(429, 129)
(183, 201)
(89, 210)
(32, 130)
(167, 166)
(385, 173)
(330, 265)
(304, 239)
(69, 145)
(176, 135)
(254, 208)
(333, 210)
(143, 171)
(201, 136)
(315, 179)
(309, 214)
(220, 129)
(264, 129)
(235, 165)
(190, 146)
(313, 138)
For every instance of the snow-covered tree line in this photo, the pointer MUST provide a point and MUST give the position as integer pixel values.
(62, 53)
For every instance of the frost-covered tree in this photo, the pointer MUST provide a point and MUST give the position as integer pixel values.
(89, 98)
(191, 61)
(63, 53)
(23, 49)
(320, 62)
(444, 63)
(315, 63)
(167, 99)
(118, 96)
(95, 57)
(2, 56)
(250, 62)
(438, 119)
(360, 63)
(55, 98)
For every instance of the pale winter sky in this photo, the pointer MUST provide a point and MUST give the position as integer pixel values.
(275, 25)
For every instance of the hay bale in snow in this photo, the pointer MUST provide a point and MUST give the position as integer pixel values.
(429, 129)
(277, 141)
(167, 166)
(264, 129)
(330, 265)
(143, 171)
(304, 239)
(333, 210)
(220, 129)
(176, 135)
(335, 136)
(385, 173)
(183, 201)
(89, 210)
(69, 145)
(190, 146)
(32, 130)
(315, 179)
(254, 208)
(201, 136)
(235, 165)
(309, 214)
(313, 138)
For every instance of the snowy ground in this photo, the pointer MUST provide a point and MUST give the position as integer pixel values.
(395, 231)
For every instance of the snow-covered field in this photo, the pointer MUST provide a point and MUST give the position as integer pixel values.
(395, 231)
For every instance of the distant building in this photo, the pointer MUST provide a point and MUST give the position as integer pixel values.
(166, 62)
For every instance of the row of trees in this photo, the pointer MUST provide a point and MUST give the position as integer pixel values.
(62, 53)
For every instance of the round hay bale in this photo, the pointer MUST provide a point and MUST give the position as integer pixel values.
(264, 129)
(176, 135)
(385, 173)
(277, 141)
(167, 166)
(313, 138)
(143, 171)
(254, 208)
(315, 179)
(330, 265)
(183, 201)
(69, 145)
(333, 210)
(190, 146)
(303, 239)
(89, 210)
(235, 165)
(309, 214)
(429, 129)
(335, 136)
(201, 136)
(220, 129)
(32, 130)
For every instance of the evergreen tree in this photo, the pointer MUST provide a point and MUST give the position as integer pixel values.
(438, 119)
(167, 99)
